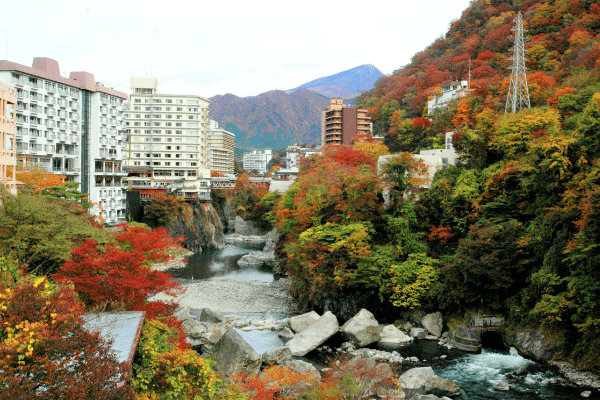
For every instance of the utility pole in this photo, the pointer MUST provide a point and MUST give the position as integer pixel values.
(469, 82)
(518, 92)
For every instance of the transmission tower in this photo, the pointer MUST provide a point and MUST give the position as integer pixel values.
(518, 92)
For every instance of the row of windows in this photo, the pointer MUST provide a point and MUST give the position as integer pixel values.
(159, 116)
(168, 164)
(180, 109)
(165, 132)
(168, 101)
(166, 155)
(177, 124)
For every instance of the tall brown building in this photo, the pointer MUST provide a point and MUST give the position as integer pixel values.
(340, 124)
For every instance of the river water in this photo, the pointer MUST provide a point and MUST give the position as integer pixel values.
(475, 374)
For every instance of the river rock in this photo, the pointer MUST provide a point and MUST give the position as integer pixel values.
(502, 386)
(362, 329)
(276, 355)
(434, 323)
(441, 387)
(184, 315)
(238, 321)
(245, 228)
(418, 333)
(285, 334)
(415, 378)
(210, 316)
(587, 393)
(407, 326)
(301, 322)
(390, 335)
(532, 344)
(302, 367)
(315, 335)
(233, 355)
(427, 397)
(204, 333)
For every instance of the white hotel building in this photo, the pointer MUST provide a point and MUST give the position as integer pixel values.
(167, 145)
(70, 126)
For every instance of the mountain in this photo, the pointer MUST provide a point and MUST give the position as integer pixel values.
(344, 85)
(271, 119)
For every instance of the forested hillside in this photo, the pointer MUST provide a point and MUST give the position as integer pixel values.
(512, 230)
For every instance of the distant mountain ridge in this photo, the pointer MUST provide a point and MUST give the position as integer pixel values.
(271, 119)
(346, 84)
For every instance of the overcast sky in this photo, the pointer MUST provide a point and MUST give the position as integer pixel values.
(220, 46)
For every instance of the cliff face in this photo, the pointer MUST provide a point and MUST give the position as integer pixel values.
(202, 227)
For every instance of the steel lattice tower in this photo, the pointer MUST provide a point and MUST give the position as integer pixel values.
(518, 92)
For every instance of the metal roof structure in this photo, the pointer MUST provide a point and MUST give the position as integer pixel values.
(124, 328)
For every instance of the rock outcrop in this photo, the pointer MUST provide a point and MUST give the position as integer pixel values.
(531, 343)
(201, 226)
(233, 355)
(276, 355)
(362, 329)
(315, 335)
(247, 228)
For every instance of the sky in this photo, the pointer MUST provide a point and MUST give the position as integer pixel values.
(216, 47)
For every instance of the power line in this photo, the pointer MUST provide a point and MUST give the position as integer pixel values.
(518, 91)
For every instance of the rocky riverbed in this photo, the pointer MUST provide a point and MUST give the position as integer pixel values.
(228, 296)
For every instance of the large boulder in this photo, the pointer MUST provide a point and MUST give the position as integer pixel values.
(211, 316)
(418, 333)
(301, 322)
(315, 335)
(233, 355)
(392, 336)
(362, 329)
(434, 323)
(415, 378)
(441, 387)
(276, 355)
(533, 344)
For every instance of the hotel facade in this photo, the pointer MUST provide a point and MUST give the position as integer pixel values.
(221, 144)
(72, 127)
(8, 132)
(166, 148)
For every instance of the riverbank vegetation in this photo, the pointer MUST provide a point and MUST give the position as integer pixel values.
(512, 230)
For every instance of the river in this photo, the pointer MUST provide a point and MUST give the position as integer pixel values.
(475, 374)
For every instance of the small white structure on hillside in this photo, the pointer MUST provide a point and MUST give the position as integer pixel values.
(436, 159)
(450, 91)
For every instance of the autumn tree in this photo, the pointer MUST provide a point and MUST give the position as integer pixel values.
(40, 231)
(161, 209)
(45, 351)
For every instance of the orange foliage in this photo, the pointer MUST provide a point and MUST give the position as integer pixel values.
(34, 176)
(553, 101)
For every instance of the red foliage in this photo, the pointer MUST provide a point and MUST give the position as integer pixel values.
(151, 244)
(346, 155)
(441, 233)
(113, 278)
(486, 56)
(216, 174)
(46, 354)
(421, 123)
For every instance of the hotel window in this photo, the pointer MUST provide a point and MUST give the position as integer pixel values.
(157, 100)
(178, 124)
(169, 101)
(156, 139)
(191, 102)
(192, 109)
(178, 133)
(137, 108)
(167, 108)
(179, 108)
(168, 124)
(179, 101)
(180, 117)
(137, 155)
(137, 100)
(156, 163)
(156, 155)
(169, 116)
(147, 116)
(156, 124)
(147, 131)
(157, 108)
(148, 155)
(156, 131)
(136, 116)
(137, 124)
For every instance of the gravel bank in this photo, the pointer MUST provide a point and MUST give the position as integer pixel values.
(577, 377)
(177, 261)
(233, 297)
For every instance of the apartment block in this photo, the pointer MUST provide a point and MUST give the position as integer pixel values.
(221, 145)
(340, 124)
(257, 160)
(8, 132)
(72, 127)
(167, 144)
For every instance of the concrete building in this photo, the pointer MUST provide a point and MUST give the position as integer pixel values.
(295, 154)
(8, 133)
(436, 159)
(340, 124)
(167, 147)
(257, 160)
(72, 127)
(450, 91)
(221, 145)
